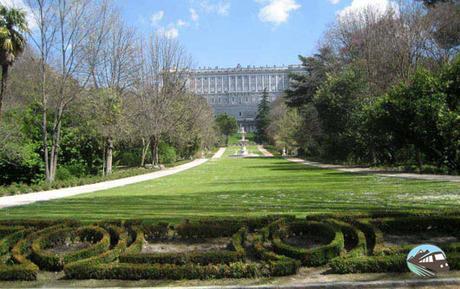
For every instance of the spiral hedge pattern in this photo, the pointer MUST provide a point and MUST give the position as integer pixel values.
(258, 247)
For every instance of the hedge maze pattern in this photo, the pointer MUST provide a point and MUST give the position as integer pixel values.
(257, 247)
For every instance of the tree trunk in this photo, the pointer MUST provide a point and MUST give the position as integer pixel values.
(3, 86)
(145, 149)
(45, 122)
(419, 160)
(108, 167)
(154, 142)
(55, 145)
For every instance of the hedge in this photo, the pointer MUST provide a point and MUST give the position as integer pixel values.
(370, 264)
(7, 230)
(203, 258)
(315, 256)
(354, 239)
(7, 243)
(84, 269)
(50, 261)
(128, 271)
(278, 265)
(23, 269)
(137, 236)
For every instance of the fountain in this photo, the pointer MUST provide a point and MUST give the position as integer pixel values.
(243, 151)
(243, 142)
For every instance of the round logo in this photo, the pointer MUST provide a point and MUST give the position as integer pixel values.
(427, 260)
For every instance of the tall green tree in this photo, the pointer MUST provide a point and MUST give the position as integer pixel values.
(12, 42)
(227, 125)
(262, 118)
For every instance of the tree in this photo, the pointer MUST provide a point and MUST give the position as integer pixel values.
(110, 64)
(304, 85)
(262, 120)
(163, 69)
(227, 125)
(65, 29)
(12, 42)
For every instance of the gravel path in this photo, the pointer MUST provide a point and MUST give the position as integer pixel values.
(219, 153)
(264, 151)
(378, 172)
(18, 200)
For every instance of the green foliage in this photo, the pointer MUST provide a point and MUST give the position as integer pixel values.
(419, 117)
(311, 257)
(227, 125)
(339, 102)
(167, 153)
(262, 120)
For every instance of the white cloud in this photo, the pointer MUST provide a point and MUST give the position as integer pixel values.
(221, 7)
(277, 11)
(181, 23)
(19, 4)
(356, 6)
(334, 1)
(194, 15)
(157, 17)
(171, 32)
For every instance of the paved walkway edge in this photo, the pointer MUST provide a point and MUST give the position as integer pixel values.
(219, 153)
(377, 172)
(325, 285)
(264, 152)
(25, 199)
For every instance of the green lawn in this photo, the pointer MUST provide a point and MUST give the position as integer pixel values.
(248, 187)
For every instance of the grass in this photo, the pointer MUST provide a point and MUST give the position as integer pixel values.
(248, 187)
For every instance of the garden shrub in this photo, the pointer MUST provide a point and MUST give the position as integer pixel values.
(84, 269)
(369, 264)
(315, 256)
(350, 245)
(50, 261)
(203, 258)
(354, 239)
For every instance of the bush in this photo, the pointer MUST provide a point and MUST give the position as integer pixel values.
(55, 262)
(84, 269)
(316, 256)
(127, 271)
(369, 264)
(167, 153)
(203, 258)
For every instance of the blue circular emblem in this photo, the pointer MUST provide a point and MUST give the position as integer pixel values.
(427, 260)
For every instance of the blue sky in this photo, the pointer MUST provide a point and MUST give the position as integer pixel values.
(225, 33)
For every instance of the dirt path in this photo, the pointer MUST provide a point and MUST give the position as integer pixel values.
(264, 151)
(377, 172)
(219, 153)
(19, 200)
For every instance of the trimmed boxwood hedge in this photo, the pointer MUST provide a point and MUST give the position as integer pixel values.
(369, 264)
(278, 265)
(50, 261)
(86, 268)
(352, 245)
(203, 258)
(128, 271)
(354, 239)
(315, 256)
(23, 269)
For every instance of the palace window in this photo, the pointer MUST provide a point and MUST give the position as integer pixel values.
(253, 83)
(219, 84)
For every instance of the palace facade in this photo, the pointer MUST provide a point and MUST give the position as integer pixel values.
(238, 91)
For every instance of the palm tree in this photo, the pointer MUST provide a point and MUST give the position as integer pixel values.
(12, 42)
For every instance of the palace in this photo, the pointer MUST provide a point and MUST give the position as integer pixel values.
(238, 91)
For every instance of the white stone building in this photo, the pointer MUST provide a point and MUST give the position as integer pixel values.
(237, 91)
